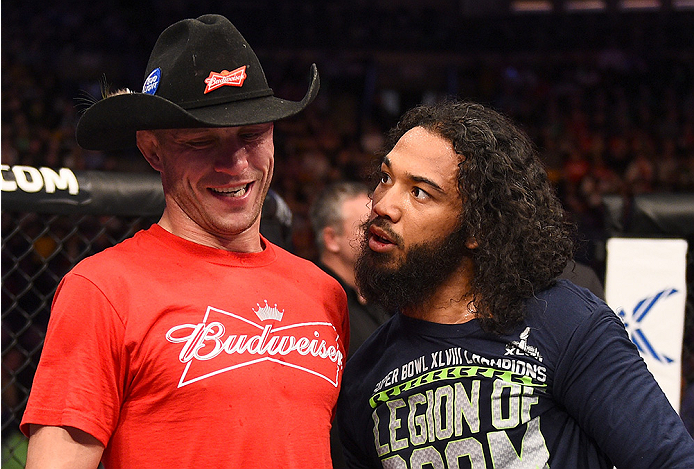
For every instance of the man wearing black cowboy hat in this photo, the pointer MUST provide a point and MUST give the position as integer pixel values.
(196, 343)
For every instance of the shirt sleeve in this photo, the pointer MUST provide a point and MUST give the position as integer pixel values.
(604, 384)
(80, 376)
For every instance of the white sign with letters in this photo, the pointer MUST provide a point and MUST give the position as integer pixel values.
(645, 284)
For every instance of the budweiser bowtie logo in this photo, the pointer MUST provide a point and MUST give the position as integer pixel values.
(225, 77)
(224, 341)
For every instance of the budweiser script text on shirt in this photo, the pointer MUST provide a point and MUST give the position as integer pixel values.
(312, 347)
(210, 337)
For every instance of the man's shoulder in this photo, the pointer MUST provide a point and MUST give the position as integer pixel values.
(564, 308)
(567, 297)
(119, 254)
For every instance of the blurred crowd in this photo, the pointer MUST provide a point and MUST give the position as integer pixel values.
(610, 114)
(608, 119)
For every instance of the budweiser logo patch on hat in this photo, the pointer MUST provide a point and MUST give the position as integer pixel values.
(225, 77)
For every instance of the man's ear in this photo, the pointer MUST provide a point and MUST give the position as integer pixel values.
(149, 147)
(330, 239)
(471, 243)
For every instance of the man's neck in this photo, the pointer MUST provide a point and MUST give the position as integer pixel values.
(451, 303)
(247, 241)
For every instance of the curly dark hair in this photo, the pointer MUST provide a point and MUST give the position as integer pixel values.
(510, 208)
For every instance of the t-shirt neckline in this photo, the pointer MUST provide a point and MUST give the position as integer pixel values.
(215, 255)
(434, 329)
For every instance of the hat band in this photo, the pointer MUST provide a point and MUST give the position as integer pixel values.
(198, 103)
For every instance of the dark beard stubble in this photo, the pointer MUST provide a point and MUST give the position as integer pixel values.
(411, 283)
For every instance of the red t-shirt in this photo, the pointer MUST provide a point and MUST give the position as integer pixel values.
(174, 354)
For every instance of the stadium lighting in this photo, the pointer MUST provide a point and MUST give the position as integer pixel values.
(532, 6)
(640, 4)
(574, 6)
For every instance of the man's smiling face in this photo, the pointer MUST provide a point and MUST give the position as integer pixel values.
(215, 179)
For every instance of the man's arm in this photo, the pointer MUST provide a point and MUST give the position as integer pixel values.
(62, 447)
(606, 386)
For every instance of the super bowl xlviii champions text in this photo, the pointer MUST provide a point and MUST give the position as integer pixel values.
(451, 412)
(458, 356)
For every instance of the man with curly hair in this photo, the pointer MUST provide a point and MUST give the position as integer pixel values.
(490, 359)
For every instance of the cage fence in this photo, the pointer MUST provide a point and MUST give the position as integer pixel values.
(37, 251)
(52, 219)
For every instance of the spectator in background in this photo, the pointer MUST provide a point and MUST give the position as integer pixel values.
(336, 217)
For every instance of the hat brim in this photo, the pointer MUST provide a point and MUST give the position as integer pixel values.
(111, 124)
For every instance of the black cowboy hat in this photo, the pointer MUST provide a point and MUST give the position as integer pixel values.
(201, 73)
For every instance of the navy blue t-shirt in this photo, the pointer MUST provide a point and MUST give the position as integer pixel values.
(566, 389)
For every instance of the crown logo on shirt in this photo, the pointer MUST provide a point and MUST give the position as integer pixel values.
(267, 312)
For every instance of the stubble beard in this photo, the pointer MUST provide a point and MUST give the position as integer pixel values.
(408, 284)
